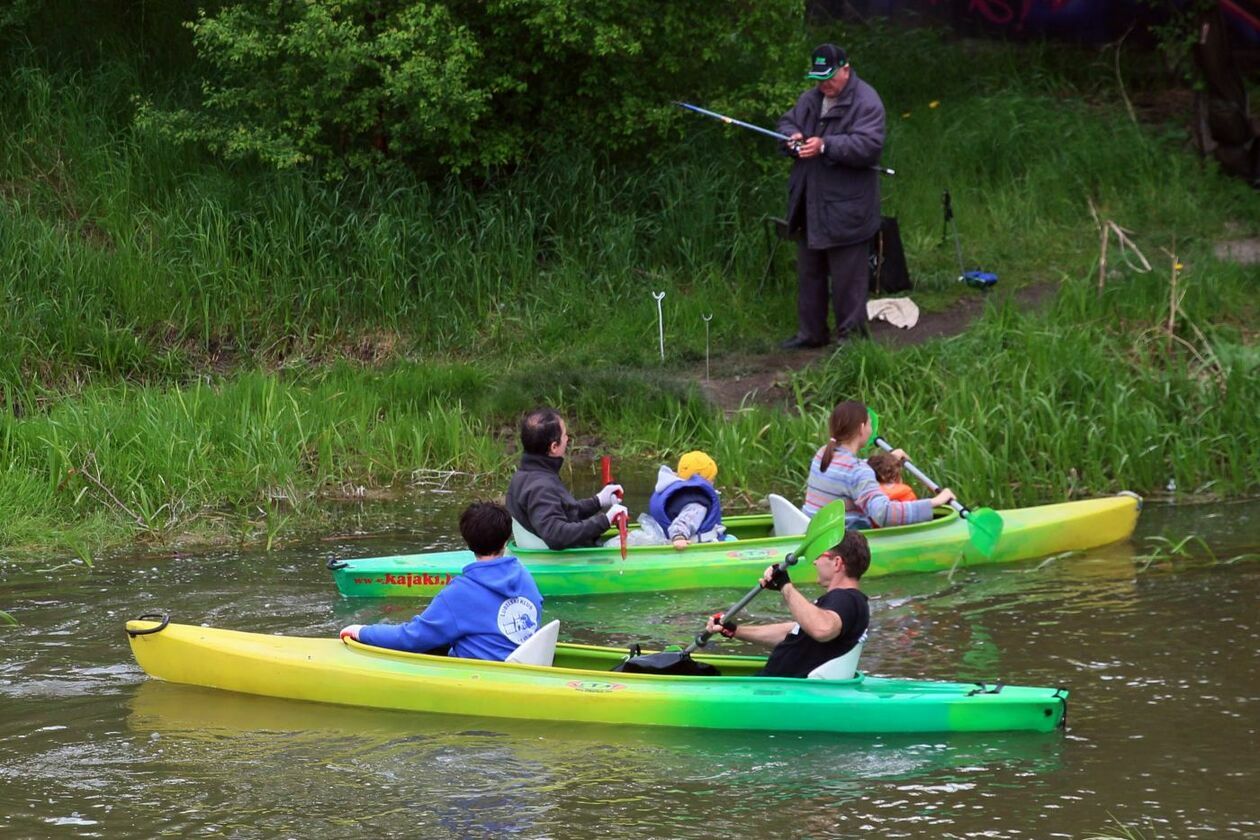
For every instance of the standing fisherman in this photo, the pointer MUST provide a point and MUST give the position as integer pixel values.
(837, 135)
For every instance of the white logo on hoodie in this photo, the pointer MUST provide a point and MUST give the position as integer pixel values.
(518, 619)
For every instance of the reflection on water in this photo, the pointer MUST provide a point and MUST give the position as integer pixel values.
(471, 774)
(1161, 658)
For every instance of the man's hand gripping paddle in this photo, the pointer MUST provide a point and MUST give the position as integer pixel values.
(680, 661)
(825, 531)
(605, 466)
(984, 525)
(702, 638)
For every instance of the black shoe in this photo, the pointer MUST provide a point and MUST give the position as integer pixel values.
(798, 343)
(856, 334)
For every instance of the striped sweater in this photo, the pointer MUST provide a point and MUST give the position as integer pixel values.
(850, 478)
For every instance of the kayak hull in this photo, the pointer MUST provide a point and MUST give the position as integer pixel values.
(940, 545)
(581, 688)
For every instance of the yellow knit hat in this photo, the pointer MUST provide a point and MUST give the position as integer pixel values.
(697, 463)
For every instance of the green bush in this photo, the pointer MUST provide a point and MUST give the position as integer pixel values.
(367, 85)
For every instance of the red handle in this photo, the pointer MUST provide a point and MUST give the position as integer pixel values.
(605, 466)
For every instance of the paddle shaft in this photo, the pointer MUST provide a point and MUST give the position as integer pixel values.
(767, 132)
(962, 509)
(702, 638)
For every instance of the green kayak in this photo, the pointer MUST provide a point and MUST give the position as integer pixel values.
(580, 687)
(938, 545)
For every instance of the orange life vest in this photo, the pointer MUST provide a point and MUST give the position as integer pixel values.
(898, 492)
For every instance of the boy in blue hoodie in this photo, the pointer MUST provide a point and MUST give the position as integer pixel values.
(485, 613)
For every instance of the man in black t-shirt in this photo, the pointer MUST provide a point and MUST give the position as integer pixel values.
(824, 629)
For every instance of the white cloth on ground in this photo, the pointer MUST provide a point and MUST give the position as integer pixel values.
(900, 312)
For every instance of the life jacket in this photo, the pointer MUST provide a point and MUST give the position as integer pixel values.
(672, 496)
(898, 492)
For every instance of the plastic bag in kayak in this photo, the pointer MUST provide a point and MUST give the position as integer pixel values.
(649, 532)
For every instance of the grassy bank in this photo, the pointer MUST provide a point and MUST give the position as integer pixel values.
(174, 335)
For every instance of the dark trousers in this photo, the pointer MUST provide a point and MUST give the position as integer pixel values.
(848, 269)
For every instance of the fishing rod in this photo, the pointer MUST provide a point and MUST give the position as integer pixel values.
(796, 144)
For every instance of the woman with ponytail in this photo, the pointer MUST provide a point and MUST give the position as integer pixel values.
(838, 473)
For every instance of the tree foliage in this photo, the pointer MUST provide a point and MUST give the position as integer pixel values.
(466, 84)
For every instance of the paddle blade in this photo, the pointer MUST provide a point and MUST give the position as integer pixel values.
(985, 528)
(622, 533)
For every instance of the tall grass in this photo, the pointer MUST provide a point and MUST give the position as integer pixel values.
(131, 258)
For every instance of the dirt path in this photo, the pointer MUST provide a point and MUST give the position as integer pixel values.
(742, 379)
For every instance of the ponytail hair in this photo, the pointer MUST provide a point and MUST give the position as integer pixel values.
(846, 418)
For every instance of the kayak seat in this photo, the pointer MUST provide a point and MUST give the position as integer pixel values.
(525, 538)
(840, 668)
(789, 520)
(538, 649)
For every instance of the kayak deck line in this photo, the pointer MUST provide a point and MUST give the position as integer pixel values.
(941, 544)
(580, 687)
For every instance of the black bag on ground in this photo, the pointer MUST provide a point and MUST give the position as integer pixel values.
(667, 662)
(888, 259)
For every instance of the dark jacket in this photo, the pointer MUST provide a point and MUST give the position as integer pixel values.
(537, 499)
(836, 195)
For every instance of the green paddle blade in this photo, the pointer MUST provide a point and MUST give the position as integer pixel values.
(874, 418)
(985, 528)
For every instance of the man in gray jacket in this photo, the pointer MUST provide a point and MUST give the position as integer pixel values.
(837, 131)
(538, 499)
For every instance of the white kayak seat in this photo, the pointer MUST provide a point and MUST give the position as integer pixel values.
(538, 649)
(525, 538)
(842, 667)
(789, 520)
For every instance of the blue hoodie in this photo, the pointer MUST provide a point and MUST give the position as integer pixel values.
(485, 613)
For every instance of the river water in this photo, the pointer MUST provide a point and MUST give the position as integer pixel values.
(1159, 648)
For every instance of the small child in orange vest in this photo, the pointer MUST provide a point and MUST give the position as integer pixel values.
(888, 472)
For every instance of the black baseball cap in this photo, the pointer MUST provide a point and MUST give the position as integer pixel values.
(824, 63)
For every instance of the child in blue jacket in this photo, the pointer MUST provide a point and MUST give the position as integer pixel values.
(484, 613)
(685, 503)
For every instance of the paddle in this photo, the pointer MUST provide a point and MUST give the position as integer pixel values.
(702, 638)
(984, 525)
(680, 661)
(605, 465)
